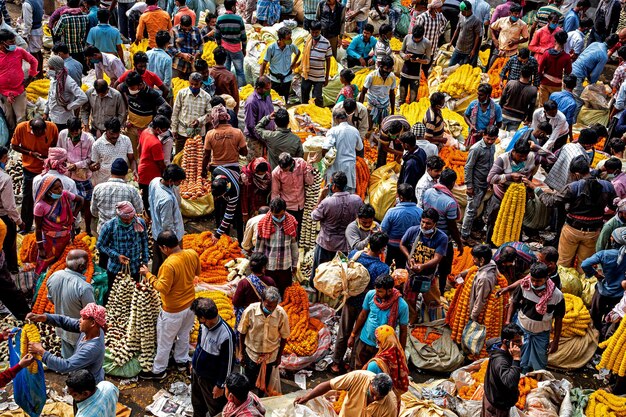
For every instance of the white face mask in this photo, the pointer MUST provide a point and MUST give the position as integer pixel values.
(134, 93)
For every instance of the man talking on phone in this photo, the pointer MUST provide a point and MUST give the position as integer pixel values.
(503, 372)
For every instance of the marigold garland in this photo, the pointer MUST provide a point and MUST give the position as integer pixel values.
(304, 330)
(613, 357)
(28, 251)
(224, 308)
(511, 214)
(455, 159)
(30, 334)
(604, 404)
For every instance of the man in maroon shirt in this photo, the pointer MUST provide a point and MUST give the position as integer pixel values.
(225, 81)
(554, 64)
(152, 158)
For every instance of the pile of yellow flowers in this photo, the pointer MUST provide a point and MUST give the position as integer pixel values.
(37, 89)
(304, 330)
(320, 115)
(395, 43)
(224, 308)
(597, 157)
(462, 82)
(177, 85)
(613, 357)
(359, 77)
(414, 112)
(89, 241)
(604, 404)
(509, 222)
(207, 53)
(577, 317)
(248, 89)
(30, 334)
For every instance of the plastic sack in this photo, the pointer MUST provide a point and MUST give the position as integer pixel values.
(29, 390)
(100, 284)
(588, 289)
(443, 55)
(402, 27)
(537, 214)
(341, 278)
(595, 97)
(570, 281)
(575, 352)
(382, 188)
(317, 407)
(130, 369)
(579, 399)
(589, 117)
(443, 355)
(295, 363)
(331, 91)
(474, 335)
(199, 207)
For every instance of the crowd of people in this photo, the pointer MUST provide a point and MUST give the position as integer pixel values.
(101, 160)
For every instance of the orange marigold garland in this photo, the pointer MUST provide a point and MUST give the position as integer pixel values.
(425, 334)
(304, 330)
(213, 257)
(362, 177)
(455, 159)
(28, 251)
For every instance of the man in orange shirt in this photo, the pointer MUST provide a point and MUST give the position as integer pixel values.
(152, 20)
(32, 139)
(175, 283)
(183, 10)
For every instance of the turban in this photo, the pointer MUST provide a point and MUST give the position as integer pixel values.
(95, 312)
(219, 114)
(56, 63)
(126, 211)
(57, 158)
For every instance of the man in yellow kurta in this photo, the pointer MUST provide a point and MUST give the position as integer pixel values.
(369, 394)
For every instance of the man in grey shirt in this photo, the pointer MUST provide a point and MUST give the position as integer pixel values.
(467, 37)
(359, 231)
(70, 293)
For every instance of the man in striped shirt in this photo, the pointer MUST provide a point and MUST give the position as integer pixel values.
(315, 65)
(230, 34)
(226, 193)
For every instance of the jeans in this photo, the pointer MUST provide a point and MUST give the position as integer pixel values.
(360, 26)
(122, 20)
(236, 58)
(461, 58)
(510, 125)
(316, 86)
(27, 199)
(394, 17)
(578, 90)
(451, 13)
(473, 203)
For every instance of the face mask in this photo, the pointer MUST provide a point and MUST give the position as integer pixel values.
(76, 139)
(484, 102)
(55, 196)
(11, 48)
(162, 135)
(194, 90)
(610, 176)
(427, 232)
(266, 94)
(539, 288)
(552, 26)
(384, 74)
(266, 311)
(52, 73)
(278, 219)
(133, 92)
(514, 19)
(289, 42)
(95, 61)
(317, 38)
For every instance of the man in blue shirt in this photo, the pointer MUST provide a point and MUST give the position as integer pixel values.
(159, 61)
(540, 134)
(566, 101)
(571, 21)
(397, 220)
(92, 11)
(481, 113)
(281, 64)
(74, 68)
(361, 49)
(591, 62)
(105, 37)
(382, 305)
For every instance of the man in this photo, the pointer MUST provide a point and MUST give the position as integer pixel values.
(566, 102)
(159, 61)
(571, 21)
(258, 105)
(479, 162)
(9, 214)
(89, 350)
(518, 101)
(331, 14)
(186, 47)
(32, 14)
(72, 31)
(91, 399)
(105, 63)
(74, 68)
(279, 141)
(143, 104)
(226, 191)
(359, 232)
(65, 97)
(538, 134)
(605, 20)
(241, 402)
(336, 209)
(397, 221)
(109, 147)
(315, 66)
(357, 115)
(576, 39)
(383, 47)
(357, 11)
(513, 67)
(503, 372)
(587, 198)
(560, 128)
(391, 128)
(12, 94)
(590, 63)
(225, 80)
(103, 103)
(151, 21)
(150, 79)
(164, 202)
(547, 22)
(434, 167)
(32, 139)
(230, 34)
(250, 232)
(289, 180)
(361, 49)
(281, 65)
(508, 32)
(413, 161)
(482, 113)
(613, 169)
(380, 89)
(503, 10)
(276, 239)
(382, 305)
(433, 120)
(364, 388)
(619, 220)
(554, 63)
(192, 107)
(183, 10)
(223, 144)
(346, 141)
(434, 23)
(559, 177)
(416, 52)
(466, 39)
(263, 329)
(175, 283)
(106, 37)
(212, 360)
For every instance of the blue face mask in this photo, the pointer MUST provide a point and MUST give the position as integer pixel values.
(552, 26)
(539, 288)
(278, 219)
(514, 19)
(11, 48)
(266, 311)
(3, 165)
(194, 90)
(55, 196)
(207, 82)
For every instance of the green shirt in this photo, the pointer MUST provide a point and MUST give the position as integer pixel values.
(604, 240)
(279, 141)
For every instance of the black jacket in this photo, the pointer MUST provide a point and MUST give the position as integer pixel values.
(501, 380)
(413, 167)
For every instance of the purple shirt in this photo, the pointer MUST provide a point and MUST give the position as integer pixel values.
(503, 10)
(619, 183)
(255, 108)
(335, 213)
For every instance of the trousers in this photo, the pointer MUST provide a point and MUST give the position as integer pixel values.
(172, 329)
(573, 243)
(202, 397)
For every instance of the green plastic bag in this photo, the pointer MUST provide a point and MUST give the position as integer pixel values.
(404, 22)
(130, 369)
(100, 284)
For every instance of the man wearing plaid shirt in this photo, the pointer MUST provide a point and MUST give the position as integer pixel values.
(513, 67)
(72, 30)
(186, 47)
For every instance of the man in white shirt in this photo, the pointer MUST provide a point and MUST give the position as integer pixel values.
(560, 128)
(250, 233)
(105, 63)
(434, 167)
(576, 39)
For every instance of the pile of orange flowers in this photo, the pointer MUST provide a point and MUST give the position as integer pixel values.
(42, 303)
(598, 146)
(494, 76)
(304, 329)
(194, 186)
(455, 159)
(525, 385)
(213, 256)
(28, 251)
(467, 392)
(371, 153)
(362, 177)
(425, 334)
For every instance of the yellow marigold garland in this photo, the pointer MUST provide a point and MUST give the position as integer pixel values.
(509, 222)
(224, 307)
(30, 334)
(614, 348)
(604, 404)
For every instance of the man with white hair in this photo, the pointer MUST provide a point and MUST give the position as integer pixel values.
(346, 141)
(192, 106)
(264, 329)
(70, 293)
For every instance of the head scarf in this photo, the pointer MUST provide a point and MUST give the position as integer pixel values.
(391, 359)
(57, 160)
(57, 64)
(95, 312)
(126, 211)
(249, 176)
(44, 187)
(619, 237)
(435, 4)
(219, 114)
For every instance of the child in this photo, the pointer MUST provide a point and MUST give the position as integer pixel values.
(349, 90)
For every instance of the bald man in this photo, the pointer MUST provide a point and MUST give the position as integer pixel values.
(622, 41)
(69, 292)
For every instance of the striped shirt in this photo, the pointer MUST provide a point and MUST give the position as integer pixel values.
(230, 29)
(72, 29)
(310, 9)
(382, 49)
(231, 196)
(317, 60)
(434, 124)
(433, 27)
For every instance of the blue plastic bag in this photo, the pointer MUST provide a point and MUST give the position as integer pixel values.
(29, 390)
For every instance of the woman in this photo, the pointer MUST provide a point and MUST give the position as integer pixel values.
(390, 359)
(250, 289)
(54, 218)
(256, 180)
(348, 90)
(64, 95)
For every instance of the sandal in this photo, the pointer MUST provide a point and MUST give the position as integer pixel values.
(335, 369)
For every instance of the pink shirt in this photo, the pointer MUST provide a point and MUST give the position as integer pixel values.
(542, 40)
(11, 81)
(619, 183)
(79, 154)
(289, 185)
